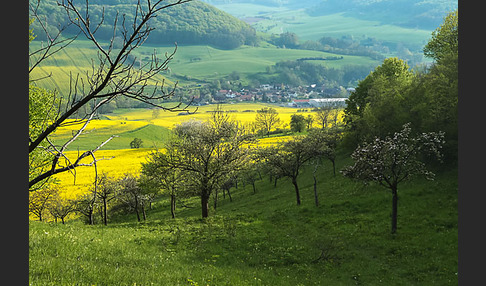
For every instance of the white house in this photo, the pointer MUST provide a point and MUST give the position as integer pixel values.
(330, 102)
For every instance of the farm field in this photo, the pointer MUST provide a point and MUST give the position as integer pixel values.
(117, 163)
(192, 64)
(277, 20)
(74, 59)
(337, 25)
(139, 123)
(244, 112)
(99, 130)
(207, 63)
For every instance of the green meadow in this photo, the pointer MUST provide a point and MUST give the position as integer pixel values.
(74, 60)
(264, 238)
(213, 63)
(191, 64)
(337, 25)
(277, 20)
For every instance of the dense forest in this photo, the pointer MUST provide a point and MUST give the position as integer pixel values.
(193, 23)
(346, 45)
(303, 72)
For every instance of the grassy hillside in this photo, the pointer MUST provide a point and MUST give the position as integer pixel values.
(100, 130)
(213, 63)
(407, 22)
(337, 25)
(265, 239)
(76, 59)
(192, 64)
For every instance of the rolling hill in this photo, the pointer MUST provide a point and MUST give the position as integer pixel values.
(421, 14)
(192, 64)
(190, 23)
(403, 23)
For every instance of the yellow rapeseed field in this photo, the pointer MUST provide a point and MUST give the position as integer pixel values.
(244, 112)
(117, 163)
(129, 160)
(100, 126)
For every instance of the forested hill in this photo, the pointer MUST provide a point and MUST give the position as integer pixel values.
(190, 23)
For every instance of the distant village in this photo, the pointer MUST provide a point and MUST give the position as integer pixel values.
(300, 97)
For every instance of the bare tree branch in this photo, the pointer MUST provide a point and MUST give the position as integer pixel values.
(71, 166)
(111, 76)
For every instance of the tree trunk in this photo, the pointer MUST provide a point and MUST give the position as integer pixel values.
(204, 205)
(254, 187)
(216, 199)
(297, 193)
(229, 195)
(136, 208)
(394, 210)
(172, 205)
(104, 212)
(144, 215)
(333, 167)
(90, 217)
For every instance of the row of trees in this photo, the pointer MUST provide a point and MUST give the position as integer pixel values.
(346, 45)
(203, 157)
(299, 73)
(267, 121)
(128, 194)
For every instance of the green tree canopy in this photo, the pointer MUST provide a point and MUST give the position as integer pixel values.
(297, 122)
(445, 39)
(376, 107)
(206, 152)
